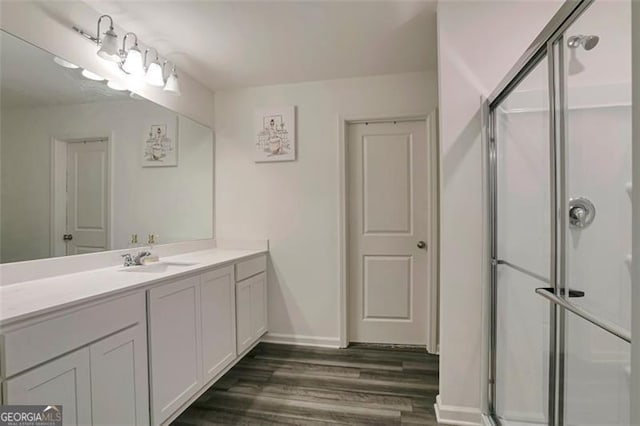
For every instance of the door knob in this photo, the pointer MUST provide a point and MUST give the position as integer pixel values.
(422, 244)
(67, 237)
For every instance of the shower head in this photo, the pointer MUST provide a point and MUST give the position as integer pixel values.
(588, 42)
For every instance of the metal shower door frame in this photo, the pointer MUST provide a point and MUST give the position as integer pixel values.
(547, 45)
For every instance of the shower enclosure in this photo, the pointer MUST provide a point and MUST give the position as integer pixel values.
(559, 179)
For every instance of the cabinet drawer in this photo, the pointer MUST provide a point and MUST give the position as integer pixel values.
(251, 267)
(36, 343)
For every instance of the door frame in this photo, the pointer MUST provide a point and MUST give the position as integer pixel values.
(58, 146)
(432, 302)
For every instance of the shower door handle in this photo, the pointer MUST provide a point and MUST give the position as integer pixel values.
(572, 293)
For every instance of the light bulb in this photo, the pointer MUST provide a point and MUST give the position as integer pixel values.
(109, 47)
(133, 64)
(91, 76)
(64, 63)
(115, 86)
(154, 75)
(172, 85)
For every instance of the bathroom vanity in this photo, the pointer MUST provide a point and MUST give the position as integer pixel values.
(131, 345)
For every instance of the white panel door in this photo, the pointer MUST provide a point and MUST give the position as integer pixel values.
(388, 225)
(218, 301)
(87, 197)
(119, 384)
(174, 345)
(65, 381)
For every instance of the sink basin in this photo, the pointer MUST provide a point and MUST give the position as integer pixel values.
(159, 267)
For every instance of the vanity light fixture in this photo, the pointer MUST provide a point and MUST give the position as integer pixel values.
(91, 76)
(172, 85)
(64, 63)
(109, 43)
(154, 74)
(132, 62)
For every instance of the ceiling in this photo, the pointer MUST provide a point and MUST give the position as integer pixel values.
(229, 44)
(30, 78)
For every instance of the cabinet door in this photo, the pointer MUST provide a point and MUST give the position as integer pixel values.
(119, 386)
(174, 345)
(243, 315)
(217, 305)
(259, 305)
(65, 381)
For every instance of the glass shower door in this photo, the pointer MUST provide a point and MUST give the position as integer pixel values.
(597, 212)
(522, 320)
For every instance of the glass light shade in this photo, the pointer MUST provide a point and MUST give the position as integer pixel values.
(109, 47)
(172, 85)
(115, 86)
(64, 63)
(133, 64)
(91, 76)
(154, 75)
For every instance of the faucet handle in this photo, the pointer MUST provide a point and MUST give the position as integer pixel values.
(128, 259)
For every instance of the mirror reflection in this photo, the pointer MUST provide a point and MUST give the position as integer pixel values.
(85, 165)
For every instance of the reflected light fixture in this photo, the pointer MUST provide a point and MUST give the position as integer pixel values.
(154, 74)
(172, 85)
(115, 86)
(109, 43)
(64, 63)
(132, 62)
(91, 76)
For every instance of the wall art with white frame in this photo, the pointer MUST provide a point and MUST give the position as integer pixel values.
(160, 144)
(275, 134)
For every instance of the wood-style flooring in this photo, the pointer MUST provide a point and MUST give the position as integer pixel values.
(295, 385)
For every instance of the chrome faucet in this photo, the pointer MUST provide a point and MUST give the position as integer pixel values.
(130, 260)
(140, 257)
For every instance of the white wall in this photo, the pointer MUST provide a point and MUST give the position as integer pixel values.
(295, 204)
(47, 24)
(175, 202)
(478, 42)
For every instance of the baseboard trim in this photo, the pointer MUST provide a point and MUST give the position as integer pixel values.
(294, 339)
(457, 416)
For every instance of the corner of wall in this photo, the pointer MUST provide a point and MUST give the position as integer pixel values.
(635, 282)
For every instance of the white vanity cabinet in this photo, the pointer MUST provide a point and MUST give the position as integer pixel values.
(218, 310)
(91, 360)
(65, 381)
(191, 337)
(251, 302)
(139, 356)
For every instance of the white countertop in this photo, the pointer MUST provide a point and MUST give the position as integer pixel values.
(30, 298)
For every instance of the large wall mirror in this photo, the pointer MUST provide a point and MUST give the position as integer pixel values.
(83, 165)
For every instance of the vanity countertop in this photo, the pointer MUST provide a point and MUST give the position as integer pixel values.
(31, 298)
